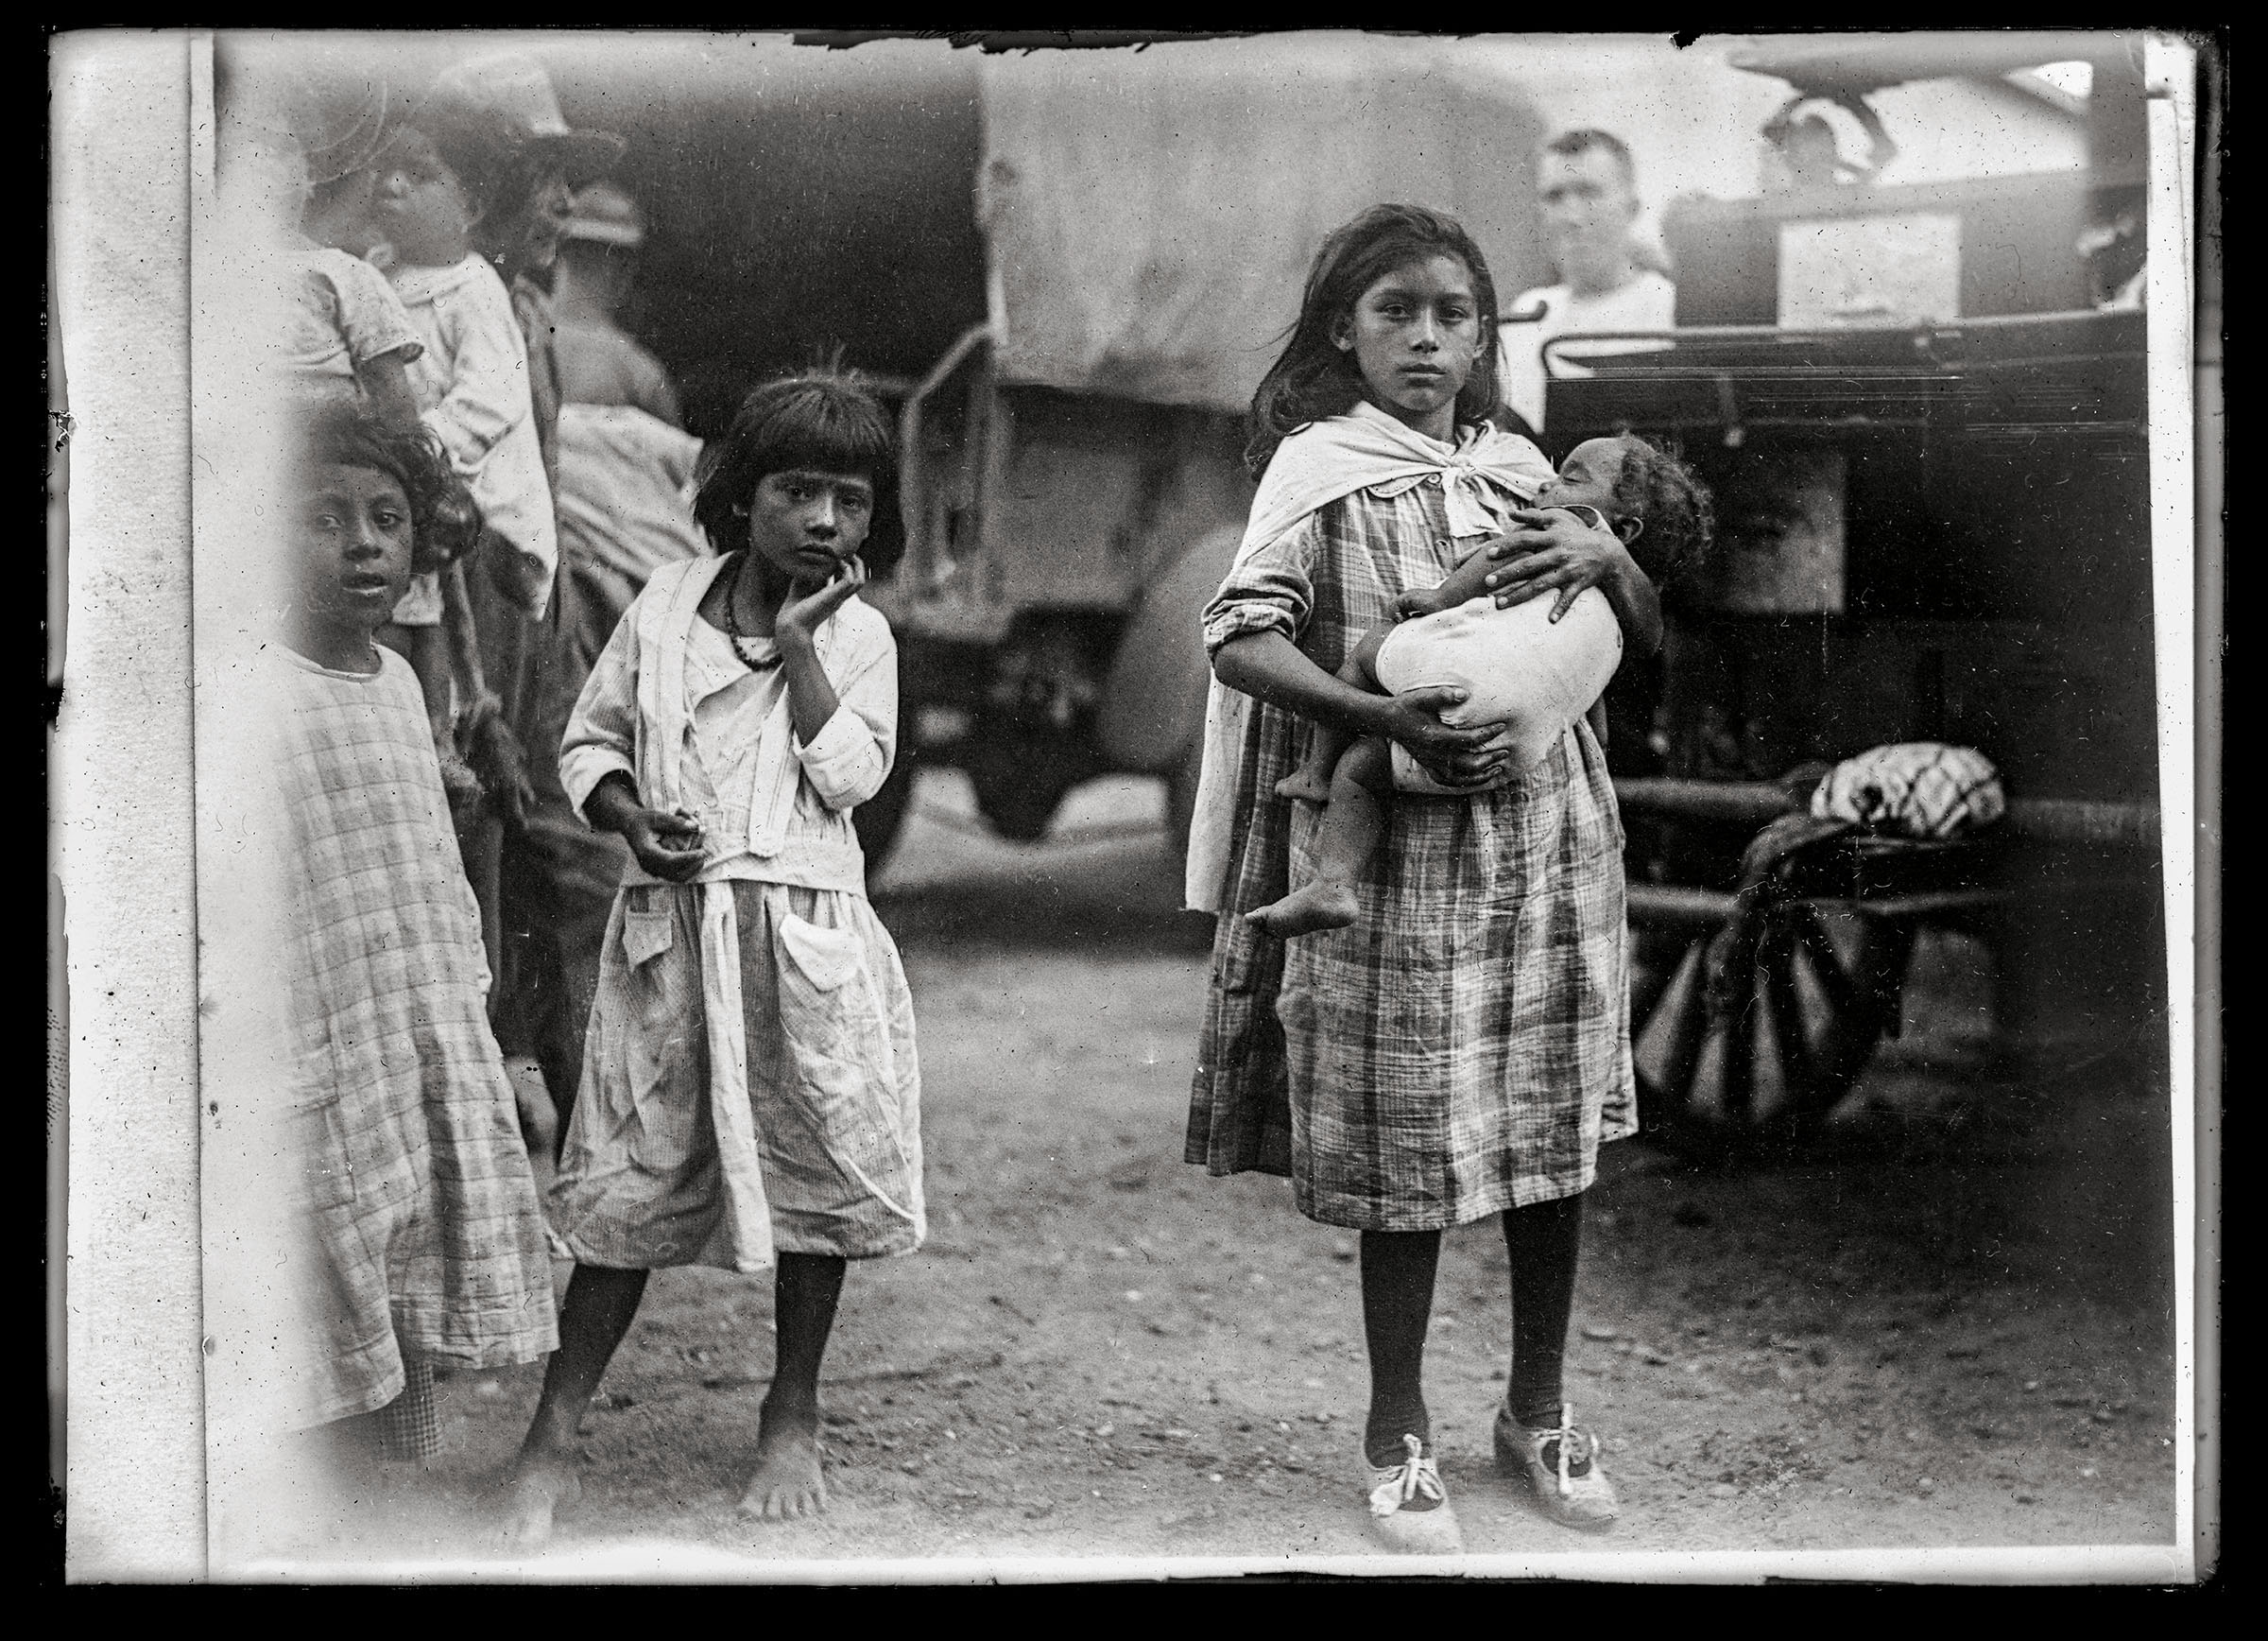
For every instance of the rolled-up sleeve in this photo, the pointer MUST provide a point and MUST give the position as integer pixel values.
(850, 758)
(1268, 590)
(602, 732)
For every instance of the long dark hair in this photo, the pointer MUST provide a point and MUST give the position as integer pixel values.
(1313, 377)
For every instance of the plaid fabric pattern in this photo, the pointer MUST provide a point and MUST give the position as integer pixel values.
(1922, 789)
(1465, 1047)
(409, 1426)
(424, 1206)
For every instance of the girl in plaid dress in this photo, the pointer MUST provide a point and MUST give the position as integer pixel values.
(425, 1217)
(1462, 1049)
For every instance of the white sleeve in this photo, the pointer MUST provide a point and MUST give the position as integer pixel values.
(850, 758)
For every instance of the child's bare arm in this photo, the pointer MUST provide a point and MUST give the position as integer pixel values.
(385, 384)
(1468, 581)
(811, 698)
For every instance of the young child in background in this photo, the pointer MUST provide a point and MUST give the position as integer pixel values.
(472, 379)
(471, 384)
(303, 138)
(1533, 672)
(423, 1202)
(348, 327)
(751, 1096)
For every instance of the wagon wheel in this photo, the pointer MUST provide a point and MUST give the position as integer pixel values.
(1790, 1027)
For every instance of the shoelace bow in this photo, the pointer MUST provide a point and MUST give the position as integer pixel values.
(1567, 1449)
(1415, 1476)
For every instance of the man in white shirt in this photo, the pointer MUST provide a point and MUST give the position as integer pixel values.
(1589, 191)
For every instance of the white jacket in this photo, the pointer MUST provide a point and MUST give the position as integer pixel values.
(632, 717)
(472, 390)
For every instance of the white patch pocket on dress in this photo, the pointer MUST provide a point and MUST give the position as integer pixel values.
(646, 931)
(831, 1014)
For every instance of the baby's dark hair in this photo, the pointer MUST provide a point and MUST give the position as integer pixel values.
(444, 520)
(1313, 377)
(821, 421)
(1655, 485)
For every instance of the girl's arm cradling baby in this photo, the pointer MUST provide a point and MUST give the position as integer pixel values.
(1271, 667)
(1554, 550)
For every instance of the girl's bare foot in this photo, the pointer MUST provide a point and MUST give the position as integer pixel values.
(1322, 905)
(1307, 783)
(788, 1483)
(536, 1491)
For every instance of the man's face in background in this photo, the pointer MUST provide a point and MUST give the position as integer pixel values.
(1589, 209)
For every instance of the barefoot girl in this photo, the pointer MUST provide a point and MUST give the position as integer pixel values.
(749, 1096)
(1461, 1049)
(424, 1207)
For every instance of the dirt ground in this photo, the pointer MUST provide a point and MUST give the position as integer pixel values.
(1950, 1326)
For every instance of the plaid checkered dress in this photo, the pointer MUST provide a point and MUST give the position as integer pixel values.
(1465, 1047)
(424, 1207)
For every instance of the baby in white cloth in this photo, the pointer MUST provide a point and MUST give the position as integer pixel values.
(1534, 666)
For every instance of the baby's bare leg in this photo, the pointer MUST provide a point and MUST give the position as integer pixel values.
(1312, 779)
(1361, 788)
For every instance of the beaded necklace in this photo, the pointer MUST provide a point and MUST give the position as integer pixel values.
(753, 663)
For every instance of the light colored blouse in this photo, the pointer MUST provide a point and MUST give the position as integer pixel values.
(662, 707)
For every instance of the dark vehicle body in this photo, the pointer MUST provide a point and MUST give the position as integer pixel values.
(1934, 526)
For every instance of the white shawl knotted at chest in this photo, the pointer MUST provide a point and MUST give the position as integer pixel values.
(1363, 450)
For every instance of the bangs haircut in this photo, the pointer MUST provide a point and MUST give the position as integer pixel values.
(1658, 486)
(816, 422)
(1313, 378)
(442, 515)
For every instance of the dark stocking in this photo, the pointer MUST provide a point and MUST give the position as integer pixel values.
(1397, 1300)
(1543, 1241)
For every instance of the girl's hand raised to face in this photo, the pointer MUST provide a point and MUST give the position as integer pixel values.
(806, 611)
(1552, 549)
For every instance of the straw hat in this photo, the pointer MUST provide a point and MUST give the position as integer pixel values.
(604, 214)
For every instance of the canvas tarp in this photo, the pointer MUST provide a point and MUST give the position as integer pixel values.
(1151, 216)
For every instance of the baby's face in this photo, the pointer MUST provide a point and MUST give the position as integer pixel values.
(419, 206)
(1586, 477)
